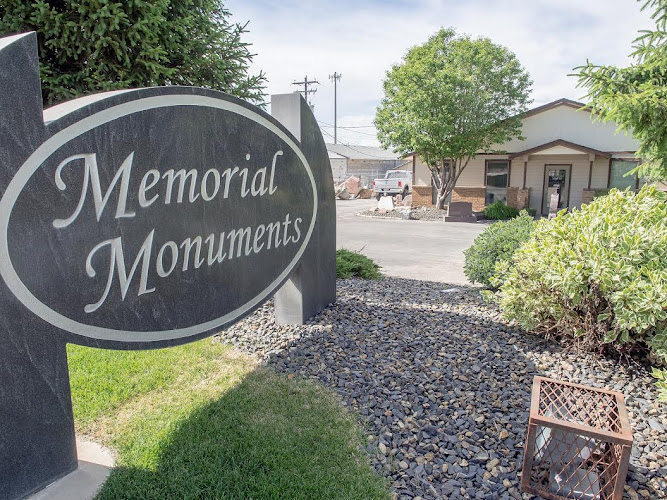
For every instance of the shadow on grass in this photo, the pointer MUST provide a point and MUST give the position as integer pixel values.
(432, 374)
(448, 384)
(269, 437)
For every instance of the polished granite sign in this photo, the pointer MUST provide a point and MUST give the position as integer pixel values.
(141, 219)
(162, 216)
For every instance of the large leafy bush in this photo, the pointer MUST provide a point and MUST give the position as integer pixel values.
(496, 244)
(596, 276)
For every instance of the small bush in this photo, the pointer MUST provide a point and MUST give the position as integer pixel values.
(352, 264)
(661, 376)
(596, 276)
(499, 211)
(531, 211)
(495, 245)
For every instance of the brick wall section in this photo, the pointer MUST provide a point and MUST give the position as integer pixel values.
(517, 197)
(474, 195)
(587, 196)
(422, 196)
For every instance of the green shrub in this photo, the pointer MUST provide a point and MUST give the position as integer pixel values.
(499, 211)
(531, 211)
(496, 244)
(352, 264)
(661, 376)
(595, 276)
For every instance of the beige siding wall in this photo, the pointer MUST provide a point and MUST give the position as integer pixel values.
(564, 122)
(578, 172)
(579, 181)
(600, 175)
(535, 181)
(473, 174)
(422, 173)
(516, 172)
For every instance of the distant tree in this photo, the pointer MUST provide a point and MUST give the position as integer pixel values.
(635, 98)
(449, 99)
(90, 46)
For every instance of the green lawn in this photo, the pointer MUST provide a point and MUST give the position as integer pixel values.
(203, 421)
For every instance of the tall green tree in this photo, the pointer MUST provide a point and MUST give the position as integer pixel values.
(635, 98)
(450, 99)
(90, 46)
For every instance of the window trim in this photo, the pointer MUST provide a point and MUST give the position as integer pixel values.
(508, 162)
(633, 159)
(486, 169)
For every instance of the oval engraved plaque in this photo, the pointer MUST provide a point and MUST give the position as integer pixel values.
(156, 216)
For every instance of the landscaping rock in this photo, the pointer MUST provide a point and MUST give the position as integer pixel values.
(442, 385)
(386, 203)
(365, 194)
(353, 185)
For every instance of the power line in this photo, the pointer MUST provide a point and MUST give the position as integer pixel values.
(355, 131)
(325, 124)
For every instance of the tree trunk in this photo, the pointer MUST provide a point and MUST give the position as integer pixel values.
(449, 176)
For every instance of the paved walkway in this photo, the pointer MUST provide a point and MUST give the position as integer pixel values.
(407, 249)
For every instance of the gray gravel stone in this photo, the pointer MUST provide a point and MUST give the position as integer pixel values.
(441, 384)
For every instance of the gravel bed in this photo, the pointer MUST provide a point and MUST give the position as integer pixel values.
(442, 385)
(422, 213)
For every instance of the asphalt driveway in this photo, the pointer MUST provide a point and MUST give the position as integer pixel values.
(422, 250)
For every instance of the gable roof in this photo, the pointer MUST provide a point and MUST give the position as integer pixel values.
(354, 152)
(553, 104)
(560, 142)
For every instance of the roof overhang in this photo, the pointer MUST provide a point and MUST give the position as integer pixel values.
(563, 144)
(554, 104)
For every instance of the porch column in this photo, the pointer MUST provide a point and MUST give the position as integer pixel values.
(525, 168)
(591, 159)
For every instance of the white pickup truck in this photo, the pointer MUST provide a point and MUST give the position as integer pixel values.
(394, 182)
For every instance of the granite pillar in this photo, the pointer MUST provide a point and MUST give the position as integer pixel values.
(37, 442)
(312, 285)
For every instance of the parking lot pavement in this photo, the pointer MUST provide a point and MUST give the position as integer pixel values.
(422, 250)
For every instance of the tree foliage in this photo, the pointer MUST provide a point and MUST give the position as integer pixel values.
(635, 98)
(90, 46)
(449, 99)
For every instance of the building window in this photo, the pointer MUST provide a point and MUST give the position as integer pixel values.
(497, 177)
(618, 178)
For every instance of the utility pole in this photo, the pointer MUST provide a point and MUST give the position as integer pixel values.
(305, 90)
(335, 78)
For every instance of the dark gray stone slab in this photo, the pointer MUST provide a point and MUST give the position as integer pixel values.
(139, 219)
(312, 286)
(460, 211)
(156, 216)
(36, 424)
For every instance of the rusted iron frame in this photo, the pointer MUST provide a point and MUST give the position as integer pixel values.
(622, 438)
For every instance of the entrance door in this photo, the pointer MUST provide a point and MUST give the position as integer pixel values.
(556, 180)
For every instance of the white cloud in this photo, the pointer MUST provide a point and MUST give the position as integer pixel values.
(363, 39)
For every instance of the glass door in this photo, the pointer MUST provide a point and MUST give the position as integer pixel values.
(556, 182)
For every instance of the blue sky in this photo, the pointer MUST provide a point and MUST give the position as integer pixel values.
(362, 39)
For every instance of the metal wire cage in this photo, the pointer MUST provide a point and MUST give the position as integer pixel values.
(578, 444)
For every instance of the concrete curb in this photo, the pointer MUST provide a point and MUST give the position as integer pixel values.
(95, 464)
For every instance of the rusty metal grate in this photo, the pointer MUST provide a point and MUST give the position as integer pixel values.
(578, 444)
